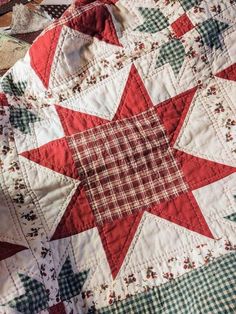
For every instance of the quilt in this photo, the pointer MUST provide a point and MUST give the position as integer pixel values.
(118, 160)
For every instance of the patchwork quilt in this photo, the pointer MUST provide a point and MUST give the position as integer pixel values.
(118, 161)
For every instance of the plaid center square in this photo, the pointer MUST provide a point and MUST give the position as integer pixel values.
(126, 165)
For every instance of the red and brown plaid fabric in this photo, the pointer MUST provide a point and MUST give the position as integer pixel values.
(126, 165)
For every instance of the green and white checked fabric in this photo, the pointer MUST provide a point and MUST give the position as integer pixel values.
(21, 118)
(12, 88)
(231, 217)
(70, 284)
(210, 31)
(154, 20)
(210, 289)
(172, 52)
(35, 298)
(188, 4)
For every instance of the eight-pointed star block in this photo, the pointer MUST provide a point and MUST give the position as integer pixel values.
(127, 165)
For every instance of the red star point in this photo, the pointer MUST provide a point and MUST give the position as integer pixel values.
(9, 249)
(228, 73)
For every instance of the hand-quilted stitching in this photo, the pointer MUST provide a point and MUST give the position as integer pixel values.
(35, 64)
(155, 259)
(216, 127)
(231, 205)
(3, 186)
(14, 284)
(30, 239)
(91, 263)
(108, 247)
(226, 97)
(184, 100)
(181, 133)
(40, 212)
(72, 101)
(207, 180)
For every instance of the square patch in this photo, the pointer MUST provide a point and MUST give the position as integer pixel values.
(126, 165)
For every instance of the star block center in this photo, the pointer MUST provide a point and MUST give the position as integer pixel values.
(126, 165)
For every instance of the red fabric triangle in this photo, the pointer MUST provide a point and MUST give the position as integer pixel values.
(75, 121)
(58, 308)
(77, 218)
(96, 22)
(9, 249)
(42, 53)
(199, 172)
(182, 25)
(183, 211)
(172, 112)
(116, 237)
(54, 155)
(228, 73)
(135, 98)
(3, 100)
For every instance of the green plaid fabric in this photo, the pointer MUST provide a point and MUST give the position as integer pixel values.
(12, 88)
(172, 52)
(21, 118)
(70, 284)
(210, 31)
(154, 20)
(188, 4)
(210, 289)
(35, 298)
